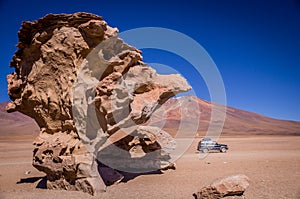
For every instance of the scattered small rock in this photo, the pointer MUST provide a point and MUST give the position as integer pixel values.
(27, 172)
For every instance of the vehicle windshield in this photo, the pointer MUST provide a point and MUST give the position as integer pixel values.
(207, 142)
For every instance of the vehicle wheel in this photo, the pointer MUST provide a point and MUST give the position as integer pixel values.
(204, 150)
(223, 150)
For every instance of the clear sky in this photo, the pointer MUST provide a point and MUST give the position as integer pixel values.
(255, 44)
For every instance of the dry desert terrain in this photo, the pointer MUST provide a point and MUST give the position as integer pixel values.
(271, 162)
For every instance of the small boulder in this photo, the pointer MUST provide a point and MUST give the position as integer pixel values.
(229, 187)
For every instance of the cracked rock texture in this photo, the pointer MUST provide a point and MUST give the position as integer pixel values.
(82, 85)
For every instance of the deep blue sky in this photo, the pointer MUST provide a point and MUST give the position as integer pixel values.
(255, 44)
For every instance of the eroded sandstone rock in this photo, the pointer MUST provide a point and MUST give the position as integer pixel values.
(149, 150)
(82, 84)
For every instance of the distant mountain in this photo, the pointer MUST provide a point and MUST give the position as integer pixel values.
(190, 110)
(16, 123)
(185, 113)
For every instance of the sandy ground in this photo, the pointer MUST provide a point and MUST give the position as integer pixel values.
(271, 162)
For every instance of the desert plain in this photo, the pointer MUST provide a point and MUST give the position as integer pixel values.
(271, 162)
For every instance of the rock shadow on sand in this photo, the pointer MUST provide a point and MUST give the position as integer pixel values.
(42, 184)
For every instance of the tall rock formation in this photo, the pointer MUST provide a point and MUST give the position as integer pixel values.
(82, 85)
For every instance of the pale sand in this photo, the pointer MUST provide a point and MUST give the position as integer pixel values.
(271, 162)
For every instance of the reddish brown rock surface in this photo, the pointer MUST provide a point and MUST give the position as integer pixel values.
(58, 58)
(229, 187)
